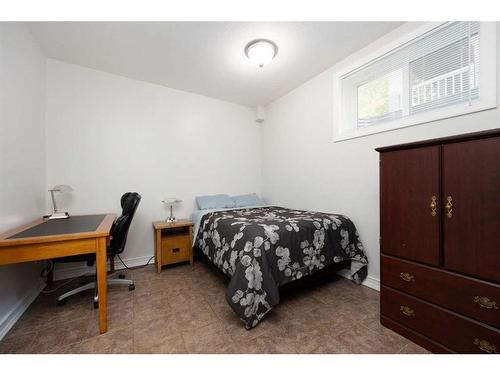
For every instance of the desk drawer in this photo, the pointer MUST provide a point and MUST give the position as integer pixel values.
(175, 249)
(477, 299)
(458, 333)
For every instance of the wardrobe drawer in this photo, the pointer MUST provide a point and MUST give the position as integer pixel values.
(458, 333)
(477, 299)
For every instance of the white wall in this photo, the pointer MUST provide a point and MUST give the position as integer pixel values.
(304, 168)
(22, 158)
(107, 135)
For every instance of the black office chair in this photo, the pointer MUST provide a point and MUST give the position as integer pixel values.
(118, 239)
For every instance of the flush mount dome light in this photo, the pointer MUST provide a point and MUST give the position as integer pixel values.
(261, 51)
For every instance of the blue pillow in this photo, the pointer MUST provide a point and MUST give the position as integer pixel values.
(247, 200)
(214, 201)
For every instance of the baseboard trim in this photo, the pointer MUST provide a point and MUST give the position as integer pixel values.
(370, 281)
(64, 271)
(19, 308)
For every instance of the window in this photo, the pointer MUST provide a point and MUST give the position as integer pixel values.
(434, 72)
(379, 100)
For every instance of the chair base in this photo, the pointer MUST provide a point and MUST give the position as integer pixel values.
(113, 279)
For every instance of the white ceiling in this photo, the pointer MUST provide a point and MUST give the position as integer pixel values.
(207, 57)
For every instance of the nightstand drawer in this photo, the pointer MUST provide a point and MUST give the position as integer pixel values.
(175, 249)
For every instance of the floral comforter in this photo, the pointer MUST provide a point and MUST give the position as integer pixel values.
(261, 249)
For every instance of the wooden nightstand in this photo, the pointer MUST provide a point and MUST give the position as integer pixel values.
(173, 242)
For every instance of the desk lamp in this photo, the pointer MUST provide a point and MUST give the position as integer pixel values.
(64, 189)
(171, 202)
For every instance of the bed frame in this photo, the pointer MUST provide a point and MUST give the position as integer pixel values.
(325, 275)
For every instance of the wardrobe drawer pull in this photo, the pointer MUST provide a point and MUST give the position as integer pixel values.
(405, 276)
(407, 310)
(485, 346)
(486, 302)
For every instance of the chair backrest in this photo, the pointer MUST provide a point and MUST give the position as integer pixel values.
(119, 230)
(127, 201)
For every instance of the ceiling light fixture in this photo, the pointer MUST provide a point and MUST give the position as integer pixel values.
(261, 51)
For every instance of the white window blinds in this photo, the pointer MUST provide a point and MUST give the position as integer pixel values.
(438, 69)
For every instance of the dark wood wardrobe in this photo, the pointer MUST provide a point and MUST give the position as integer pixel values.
(440, 242)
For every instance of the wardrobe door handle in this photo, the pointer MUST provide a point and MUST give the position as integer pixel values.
(433, 205)
(449, 207)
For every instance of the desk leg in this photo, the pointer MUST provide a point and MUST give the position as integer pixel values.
(102, 285)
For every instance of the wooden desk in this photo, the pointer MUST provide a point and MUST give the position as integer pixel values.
(47, 239)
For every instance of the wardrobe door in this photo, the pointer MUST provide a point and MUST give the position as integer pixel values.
(409, 204)
(471, 208)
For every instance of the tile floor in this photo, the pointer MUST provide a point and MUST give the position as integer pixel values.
(183, 310)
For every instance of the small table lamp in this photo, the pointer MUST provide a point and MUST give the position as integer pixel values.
(60, 189)
(171, 202)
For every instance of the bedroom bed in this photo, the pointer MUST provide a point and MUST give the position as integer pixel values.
(262, 248)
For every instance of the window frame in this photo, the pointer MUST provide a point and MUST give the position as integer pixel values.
(345, 125)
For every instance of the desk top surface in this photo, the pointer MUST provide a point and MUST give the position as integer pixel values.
(73, 224)
(43, 230)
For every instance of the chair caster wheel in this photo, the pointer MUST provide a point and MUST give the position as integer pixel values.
(121, 276)
(96, 305)
(62, 302)
(131, 287)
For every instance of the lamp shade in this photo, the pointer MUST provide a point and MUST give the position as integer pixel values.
(172, 201)
(62, 189)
